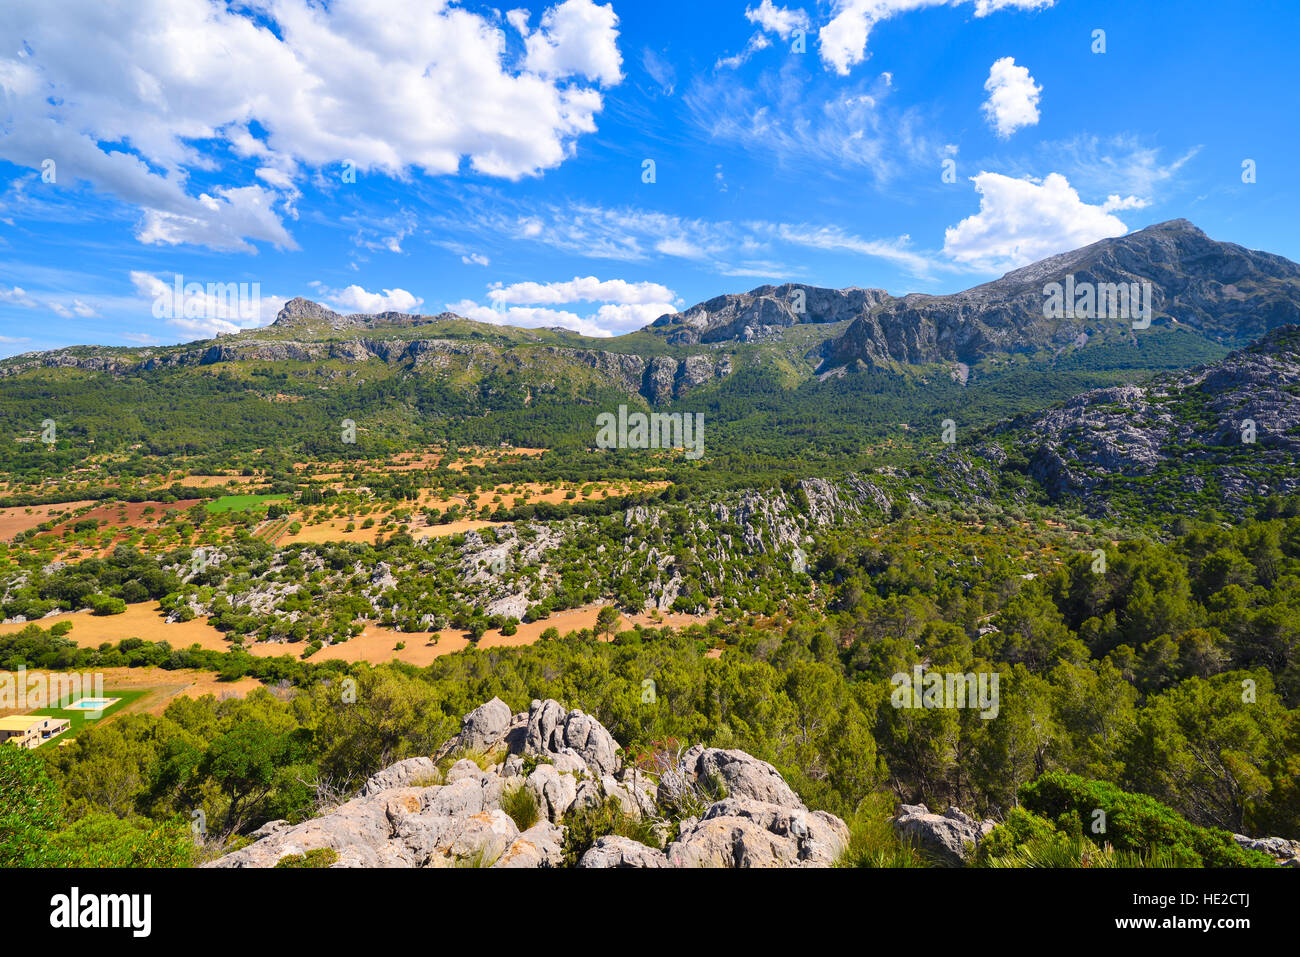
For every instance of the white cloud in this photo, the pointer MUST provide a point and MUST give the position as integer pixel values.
(1120, 164)
(1024, 220)
(206, 308)
(629, 317)
(18, 297)
(844, 38)
(660, 70)
(756, 42)
(527, 317)
(626, 306)
(357, 299)
(833, 238)
(806, 127)
(475, 259)
(75, 308)
(589, 289)
(576, 38)
(389, 85)
(1013, 97)
(779, 20)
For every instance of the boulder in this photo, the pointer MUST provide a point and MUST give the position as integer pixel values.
(413, 772)
(614, 851)
(1286, 852)
(739, 832)
(484, 729)
(552, 730)
(542, 845)
(554, 792)
(402, 818)
(739, 775)
(949, 837)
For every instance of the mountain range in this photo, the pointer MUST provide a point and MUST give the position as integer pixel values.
(778, 370)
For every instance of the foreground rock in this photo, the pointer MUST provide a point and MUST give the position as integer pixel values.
(949, 837)
(728, 808)
(1285, 852)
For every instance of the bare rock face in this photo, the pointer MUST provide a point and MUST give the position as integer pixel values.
(408, 773)
(741, 832)
(412, 814)
(1217, 289)
(1283, 850)
(541, 846)
(739, 775)
(763, 312)
(949, 836)
(552, 730)
(1246, 430)
(614, 851)
(483, 729)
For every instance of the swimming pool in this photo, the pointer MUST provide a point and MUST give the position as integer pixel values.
(92, 704)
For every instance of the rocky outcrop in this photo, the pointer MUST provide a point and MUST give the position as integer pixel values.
(1238, 418)
(1220, 290)
(949, 837)
(1286, 852)
(741, 813)
(763, 312)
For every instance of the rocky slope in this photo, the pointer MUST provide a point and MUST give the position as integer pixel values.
(1219, 290)
(309, 333)
(761, 313)
(711, 808)
(1233, 426)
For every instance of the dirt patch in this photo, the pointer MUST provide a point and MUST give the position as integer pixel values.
(20, 518)
(377, 645)
(143, 620)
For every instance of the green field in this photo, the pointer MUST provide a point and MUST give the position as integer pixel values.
(242, 503)
(78, 718)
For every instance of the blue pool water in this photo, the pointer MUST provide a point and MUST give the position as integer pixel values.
(91, 704)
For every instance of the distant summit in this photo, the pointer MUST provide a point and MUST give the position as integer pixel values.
(1221, 291)
(299, 313)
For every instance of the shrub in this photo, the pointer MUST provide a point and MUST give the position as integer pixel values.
(107, 605)
(519, 803)
(584, 826)
(318, 857)
(30, 809)
(873, 842)
(1134, 822)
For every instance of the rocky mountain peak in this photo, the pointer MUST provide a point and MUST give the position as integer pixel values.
(761, 313)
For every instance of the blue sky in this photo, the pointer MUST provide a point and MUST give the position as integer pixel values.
(499, 151)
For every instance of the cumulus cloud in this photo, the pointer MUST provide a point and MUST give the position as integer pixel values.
(206, 308)
(577, 38)
(779, 20)
(1024, 220)
(588, 289)
(356, 299)
(527, 317)
(387, 85)
(844, 38)
(1013, 97)
(626, 306)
